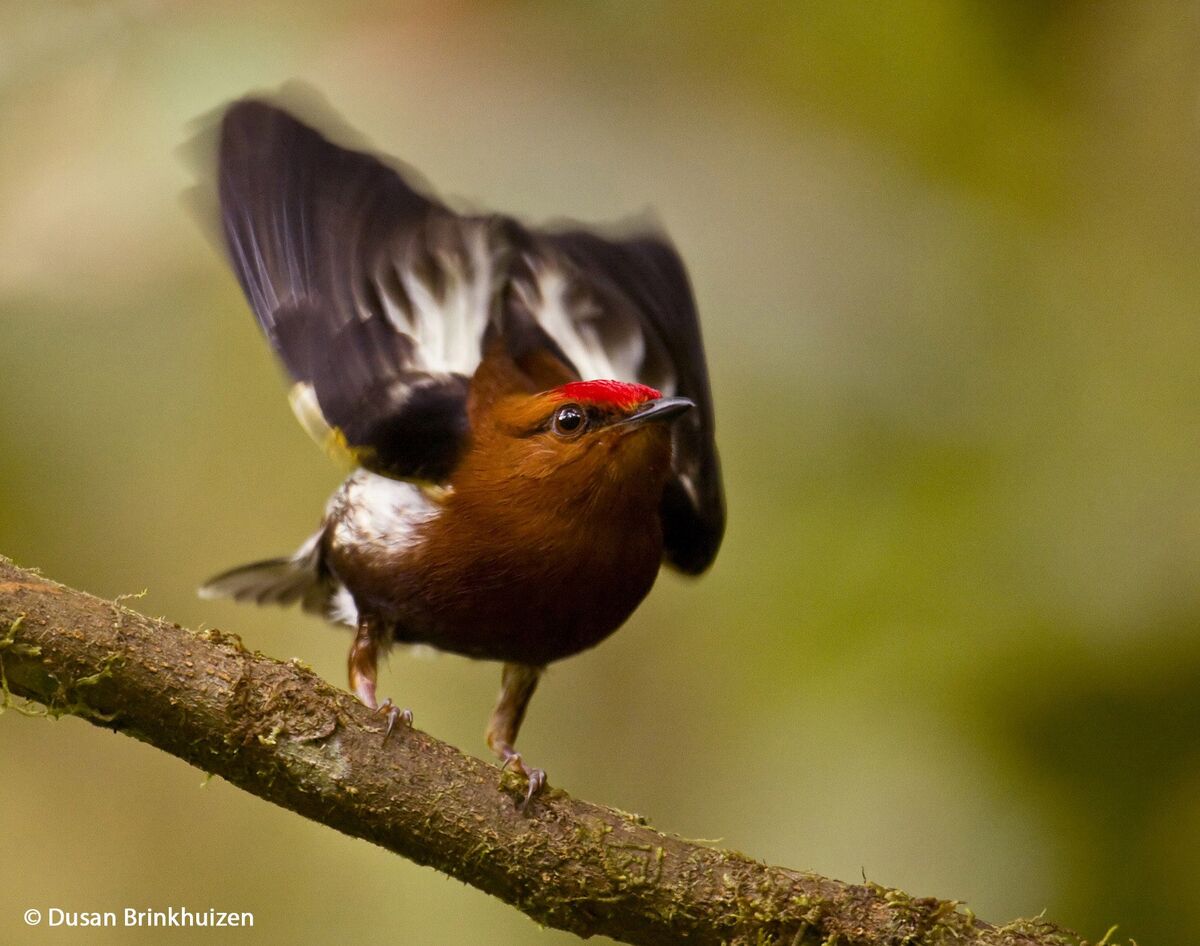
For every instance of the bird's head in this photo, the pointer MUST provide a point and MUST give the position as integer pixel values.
(581, 439)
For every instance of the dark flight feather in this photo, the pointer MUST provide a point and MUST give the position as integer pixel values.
(378, 299)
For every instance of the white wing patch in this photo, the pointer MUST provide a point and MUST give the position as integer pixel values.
(617, 353)
(574, 334)
(448, 333)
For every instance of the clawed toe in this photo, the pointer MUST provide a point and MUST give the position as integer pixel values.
(535, 777)
(393, 713)
(537, 781)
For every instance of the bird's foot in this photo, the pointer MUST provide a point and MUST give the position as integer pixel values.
(535, 777)
(393, 714)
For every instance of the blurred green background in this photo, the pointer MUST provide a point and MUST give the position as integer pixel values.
(948, 260)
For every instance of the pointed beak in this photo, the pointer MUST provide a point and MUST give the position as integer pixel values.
(660, 410)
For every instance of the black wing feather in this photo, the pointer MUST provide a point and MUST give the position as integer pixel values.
(311, 229)
(647, 275)
(325, 240)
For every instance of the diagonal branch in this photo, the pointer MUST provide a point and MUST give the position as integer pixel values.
(279, 731)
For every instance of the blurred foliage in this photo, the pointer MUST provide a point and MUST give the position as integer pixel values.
(946, 258)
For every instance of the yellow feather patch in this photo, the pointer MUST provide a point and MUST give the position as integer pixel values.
(435, 492)
(303, 399)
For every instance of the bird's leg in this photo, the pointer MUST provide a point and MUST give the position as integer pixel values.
(364, 659)
(517, 683)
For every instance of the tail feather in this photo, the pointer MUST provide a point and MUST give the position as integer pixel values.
(280, 581)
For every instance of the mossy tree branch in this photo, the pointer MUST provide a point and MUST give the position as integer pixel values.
(280, 732)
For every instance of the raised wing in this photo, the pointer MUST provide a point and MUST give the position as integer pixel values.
(377, 298)
(346, 267)
(640, 301)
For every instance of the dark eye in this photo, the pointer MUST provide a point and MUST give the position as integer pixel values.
(568, 420)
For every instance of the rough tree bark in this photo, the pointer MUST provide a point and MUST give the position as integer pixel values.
(280, 732)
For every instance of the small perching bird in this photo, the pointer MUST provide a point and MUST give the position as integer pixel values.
(528, 410)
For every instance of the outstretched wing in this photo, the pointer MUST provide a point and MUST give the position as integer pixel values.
(634, 295)
(377, 298)
(349, 271)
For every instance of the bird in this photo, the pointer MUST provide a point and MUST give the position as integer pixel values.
(526, 410)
